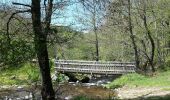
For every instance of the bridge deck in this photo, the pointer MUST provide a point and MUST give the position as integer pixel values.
(93, 67)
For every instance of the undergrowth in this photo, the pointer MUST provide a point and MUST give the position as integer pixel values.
(26, 74)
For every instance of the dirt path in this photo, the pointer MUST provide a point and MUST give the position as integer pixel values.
(141, 92)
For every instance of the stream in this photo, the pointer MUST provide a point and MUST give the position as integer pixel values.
(64, 91)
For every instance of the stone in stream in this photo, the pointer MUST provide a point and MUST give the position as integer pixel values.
(68, 97)
(54, 77)
(20, 87)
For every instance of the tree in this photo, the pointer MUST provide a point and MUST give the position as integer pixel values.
(94, 11)
(40, 40)
(21, 49)
(148, 32)
(143, 15)
(141, 29)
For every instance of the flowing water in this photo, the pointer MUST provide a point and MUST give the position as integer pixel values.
(65, 91)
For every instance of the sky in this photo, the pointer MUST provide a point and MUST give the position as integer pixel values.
(64, 17)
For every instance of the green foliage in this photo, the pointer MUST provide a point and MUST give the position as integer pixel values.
(161, 79)
(63, 34)
(62, 78)
(21, 75)
(16, 47)
(167, 61)
(33, 74)
(85, 52)
(76, 48)
(15, 53)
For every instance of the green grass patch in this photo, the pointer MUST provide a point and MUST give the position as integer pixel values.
(134, 79)
(26, 74)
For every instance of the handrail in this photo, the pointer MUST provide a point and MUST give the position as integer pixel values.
(98, 62)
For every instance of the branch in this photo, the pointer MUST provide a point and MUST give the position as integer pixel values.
(48, 15)
(45, 5)
(9, 20)
(15, 3)
(145, 51)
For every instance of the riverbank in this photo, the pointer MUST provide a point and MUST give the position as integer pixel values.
(129, 86)
(160, 79)
(143, 93)
(65, 91)
(86, 92)
(137, 86)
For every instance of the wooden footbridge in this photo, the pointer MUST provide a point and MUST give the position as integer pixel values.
(94, 67)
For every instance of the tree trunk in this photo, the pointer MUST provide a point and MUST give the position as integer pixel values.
(132, 36)
(95, 31)
(152, 44)
(148, 32)
(97, 45)
(42, 53)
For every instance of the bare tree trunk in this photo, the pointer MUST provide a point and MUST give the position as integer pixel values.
(132, 35)
(97, 45)
(42, 53)
(95, 31)
(152, 45)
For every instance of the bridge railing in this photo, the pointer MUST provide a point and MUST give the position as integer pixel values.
(93, 62)
(95, 66)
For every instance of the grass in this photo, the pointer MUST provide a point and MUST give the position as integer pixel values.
(29, 73)
(160, 79)
(26, 74)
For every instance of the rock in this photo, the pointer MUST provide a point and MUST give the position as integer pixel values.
(18, 98)
(89, 84)
(26, 97)
(4, 87)
(20, 87)
(54, 77)
(68, 98)
(30, 95)
(108, 82)
(77, 81)
(71, 82)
